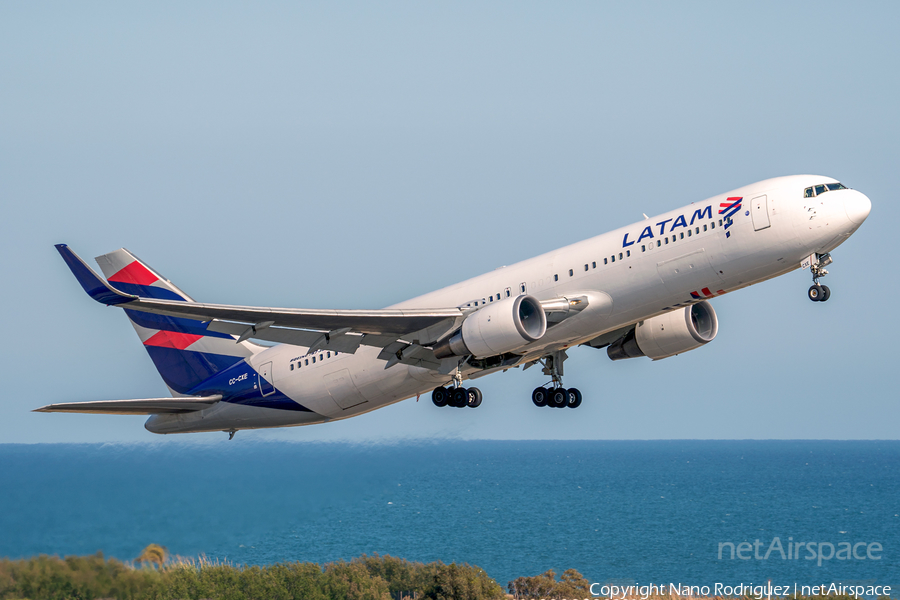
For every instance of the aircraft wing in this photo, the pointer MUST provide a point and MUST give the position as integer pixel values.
(147, 406)
(340, 330)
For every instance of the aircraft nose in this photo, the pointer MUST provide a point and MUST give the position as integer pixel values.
(857, 205)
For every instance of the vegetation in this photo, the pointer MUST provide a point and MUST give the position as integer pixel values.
(156, 576)
(571, 585)
(154, 554)
(364, 578)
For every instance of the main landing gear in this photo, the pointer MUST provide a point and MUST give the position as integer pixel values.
(817, 292)
(459, 397)
(556, 396)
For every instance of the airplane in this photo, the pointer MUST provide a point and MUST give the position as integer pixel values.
(642, 290)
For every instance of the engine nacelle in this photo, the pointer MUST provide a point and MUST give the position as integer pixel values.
(499, 327)
(669, 334)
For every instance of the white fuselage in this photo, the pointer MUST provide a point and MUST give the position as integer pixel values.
(648, 276)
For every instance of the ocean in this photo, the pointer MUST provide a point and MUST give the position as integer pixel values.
(640, 511)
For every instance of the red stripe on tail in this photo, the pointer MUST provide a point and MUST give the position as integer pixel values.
(135, 273)
(172, 339)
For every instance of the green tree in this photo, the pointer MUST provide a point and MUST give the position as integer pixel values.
(538, 586)
(572, 584)
(352, 581)
(461, 582)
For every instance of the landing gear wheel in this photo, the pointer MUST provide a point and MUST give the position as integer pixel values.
(460, 397)
(539, 396)
(474, 398)
(826, 293)
(816, 293)
(573, 395)
(558, 398)
(440, 396)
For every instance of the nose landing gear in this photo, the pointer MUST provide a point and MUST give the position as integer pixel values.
(819, 293)
(817, 264)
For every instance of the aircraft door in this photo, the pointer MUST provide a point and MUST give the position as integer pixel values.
(759, 212)
(266, 382)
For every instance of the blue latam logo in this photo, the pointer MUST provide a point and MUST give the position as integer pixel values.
(680, 221)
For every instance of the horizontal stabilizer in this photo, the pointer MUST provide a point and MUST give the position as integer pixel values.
(147, 406)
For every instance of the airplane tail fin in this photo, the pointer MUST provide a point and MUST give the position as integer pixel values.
(184, 351)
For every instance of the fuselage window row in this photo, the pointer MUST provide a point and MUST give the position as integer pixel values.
(606, 261)
(665, 240)
(498, 296)
(322, 356)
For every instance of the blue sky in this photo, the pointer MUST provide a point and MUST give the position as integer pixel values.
(354, 155)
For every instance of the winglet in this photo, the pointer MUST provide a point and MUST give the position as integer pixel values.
(96, 287)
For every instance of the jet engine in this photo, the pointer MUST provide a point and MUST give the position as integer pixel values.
(669, 334)
(496, 328)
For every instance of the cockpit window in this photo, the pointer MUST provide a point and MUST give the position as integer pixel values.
(812, 192)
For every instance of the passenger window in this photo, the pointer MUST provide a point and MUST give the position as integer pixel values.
(508, 293)
(667, 239)
(498, 295)
(490, 298)
(704, 227)
(307, 362)
(620, 256)
(605, 261)
(720, 222)
(689, 233)
(658, 243)
(698, 229)
(314, 360)
(555, 277)
(320, 357)
(682, 235)
(476, 303)
(643, 247)
(571, 272)
(292, 366)
(328, 355)
(614, 258)
(820, 189)
(522, 287)
(585, 266)
(628, 253)
(594, 265)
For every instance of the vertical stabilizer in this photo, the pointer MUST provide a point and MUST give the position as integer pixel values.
(184, 351)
